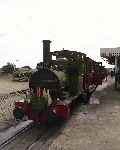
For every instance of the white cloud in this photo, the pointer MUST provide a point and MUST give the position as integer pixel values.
(84, 25)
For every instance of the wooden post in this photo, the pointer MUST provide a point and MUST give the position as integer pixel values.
(116, 71)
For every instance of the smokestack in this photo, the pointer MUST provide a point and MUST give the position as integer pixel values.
(46, 51)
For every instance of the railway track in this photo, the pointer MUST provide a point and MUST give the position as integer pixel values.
(32, 138)
(14, 131)
(23, 139)
(44, 141)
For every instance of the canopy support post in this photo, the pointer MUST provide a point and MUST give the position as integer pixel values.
(116, 71)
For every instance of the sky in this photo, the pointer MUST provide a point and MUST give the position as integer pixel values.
(81, 25)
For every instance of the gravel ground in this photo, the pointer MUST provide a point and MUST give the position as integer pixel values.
(7, 85)
(93, 127)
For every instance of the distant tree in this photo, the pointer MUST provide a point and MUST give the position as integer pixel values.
(9, 68)
(26, 67)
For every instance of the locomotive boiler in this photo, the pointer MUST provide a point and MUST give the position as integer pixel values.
(59, 84)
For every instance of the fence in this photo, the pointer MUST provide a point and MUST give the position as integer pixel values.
(7, 104)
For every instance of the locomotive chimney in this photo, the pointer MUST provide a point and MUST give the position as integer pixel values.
(46, 51)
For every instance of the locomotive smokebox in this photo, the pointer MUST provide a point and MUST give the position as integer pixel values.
(46, 51)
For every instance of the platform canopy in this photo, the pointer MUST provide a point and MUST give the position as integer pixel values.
(109, 54)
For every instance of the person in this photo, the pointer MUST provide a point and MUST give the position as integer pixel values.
(106, 75)
(112, 74)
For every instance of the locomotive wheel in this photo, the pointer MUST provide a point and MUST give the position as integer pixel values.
(83, 98)
(53, 119)
(18, 113)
